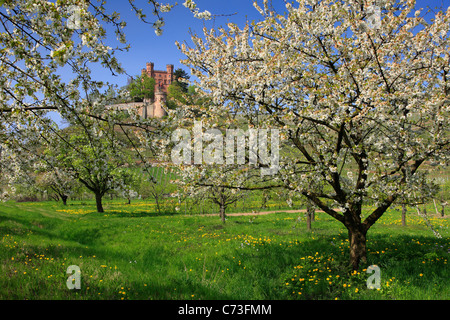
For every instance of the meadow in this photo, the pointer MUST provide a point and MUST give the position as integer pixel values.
(130, 252)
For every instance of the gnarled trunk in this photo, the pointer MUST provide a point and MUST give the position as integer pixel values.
(98, 201)
(358, 252)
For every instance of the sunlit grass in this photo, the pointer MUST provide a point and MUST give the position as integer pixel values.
(131, 252)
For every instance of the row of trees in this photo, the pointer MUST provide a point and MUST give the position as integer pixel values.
(92, 154)
(360, 108)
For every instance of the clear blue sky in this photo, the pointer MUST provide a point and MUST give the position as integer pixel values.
(146, 46)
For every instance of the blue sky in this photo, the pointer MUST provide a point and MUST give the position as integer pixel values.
(146, 46)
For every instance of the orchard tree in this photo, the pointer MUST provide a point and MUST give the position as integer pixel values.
(40, 41)
(210, 175)
(210, 183)
(58, 181)
(362, 102)
(94, 156)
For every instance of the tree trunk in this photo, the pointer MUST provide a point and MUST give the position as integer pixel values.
(309, 214)
(358, 251)
(156, 196)
(435, 207)
(64, 199)
(403, 215)
(443, 211)
(222, 213)
(308, 221)
(98, 201)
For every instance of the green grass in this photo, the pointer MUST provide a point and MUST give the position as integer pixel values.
(130, 252)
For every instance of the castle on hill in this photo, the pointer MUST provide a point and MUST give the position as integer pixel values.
(156, 107)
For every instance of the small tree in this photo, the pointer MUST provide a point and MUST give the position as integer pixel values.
(58, 181)
(93, 155)
(213, 184)
(129, 184)
(156, 183)
(223, 197)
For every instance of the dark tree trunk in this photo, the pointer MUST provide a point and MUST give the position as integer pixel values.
(222, 213)
(64, 199)
(358, 251)
(356, 235)
(98, 201)
(309, 215)
(403, 215)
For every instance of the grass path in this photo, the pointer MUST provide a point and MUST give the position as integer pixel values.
(256, 213)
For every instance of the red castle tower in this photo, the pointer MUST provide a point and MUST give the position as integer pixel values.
(163, 79)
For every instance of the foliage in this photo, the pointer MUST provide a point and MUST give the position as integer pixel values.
(45, 42)
(361, 108)
(58, 181)
(181, 78)
(142, 87)
(93, 156)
